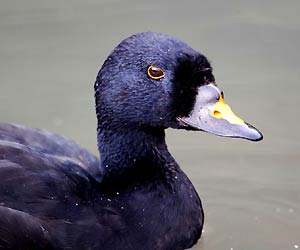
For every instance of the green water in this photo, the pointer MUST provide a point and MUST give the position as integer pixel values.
(50, 52)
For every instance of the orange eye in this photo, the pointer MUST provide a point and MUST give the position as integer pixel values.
(155, 72)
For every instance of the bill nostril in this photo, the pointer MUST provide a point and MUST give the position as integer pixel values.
(217, 114)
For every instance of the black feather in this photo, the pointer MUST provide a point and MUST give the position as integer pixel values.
(191, 72)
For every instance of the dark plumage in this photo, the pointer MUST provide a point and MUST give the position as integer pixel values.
(56, 195)
(190, 72)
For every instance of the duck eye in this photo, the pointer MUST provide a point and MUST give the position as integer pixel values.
(155, 72)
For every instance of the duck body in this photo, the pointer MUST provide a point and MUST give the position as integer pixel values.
(61, 205)
(56, 195)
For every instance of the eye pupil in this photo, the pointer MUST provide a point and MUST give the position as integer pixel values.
(155, 72)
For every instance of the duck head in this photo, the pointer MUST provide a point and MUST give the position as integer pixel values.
(154, 80)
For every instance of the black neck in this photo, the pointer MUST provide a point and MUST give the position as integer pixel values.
(122, 148)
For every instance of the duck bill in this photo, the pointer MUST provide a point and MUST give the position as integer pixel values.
(211, 114)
